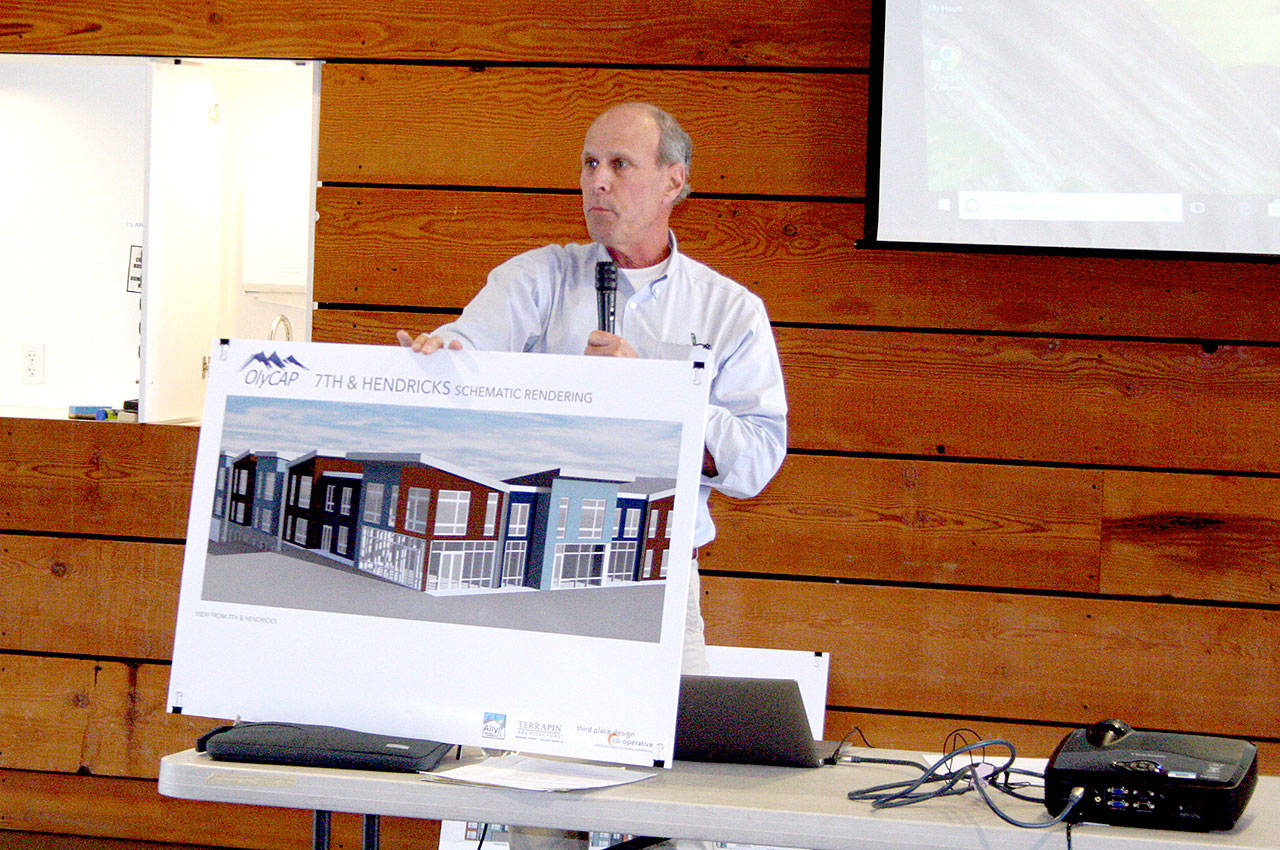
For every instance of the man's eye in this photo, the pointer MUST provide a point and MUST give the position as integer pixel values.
(619, 164)
(590, 163)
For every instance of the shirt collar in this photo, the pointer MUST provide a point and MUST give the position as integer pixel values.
(602, 254)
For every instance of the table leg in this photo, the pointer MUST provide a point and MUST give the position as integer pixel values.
(371, 837)
(320, 828)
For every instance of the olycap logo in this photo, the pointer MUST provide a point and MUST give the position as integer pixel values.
(270, 370)
(272, 360)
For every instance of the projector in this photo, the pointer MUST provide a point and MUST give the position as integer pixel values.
(1161, 780)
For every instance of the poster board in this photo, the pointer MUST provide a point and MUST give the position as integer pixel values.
(482, 548)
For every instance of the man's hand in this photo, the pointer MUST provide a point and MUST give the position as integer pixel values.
(425, 343)
(605, 344)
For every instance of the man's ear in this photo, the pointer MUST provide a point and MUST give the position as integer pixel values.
(677, 175)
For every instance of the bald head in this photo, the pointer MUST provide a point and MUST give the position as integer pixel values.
(674, 145)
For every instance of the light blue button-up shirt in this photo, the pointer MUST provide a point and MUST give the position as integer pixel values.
(545, 301)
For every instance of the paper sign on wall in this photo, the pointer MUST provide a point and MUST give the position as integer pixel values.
(481, 548)
(133, 283)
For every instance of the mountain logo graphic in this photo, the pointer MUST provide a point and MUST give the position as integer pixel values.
(273, 361)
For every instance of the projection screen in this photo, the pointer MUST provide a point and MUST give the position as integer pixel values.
(1126, 124)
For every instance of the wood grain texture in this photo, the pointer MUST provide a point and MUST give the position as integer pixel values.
(45, 712)
(415, 248)
(754, 133)
(15, 840)
(936, 522)
(1089, 295)
(434, 247)
(916, 521)
(1078, 401)
(133, 809)
(370, 327)
(1114, 403)
(1021, 596)
(96, 477)
(1054, 660)
(131, 728)
(929, 734)
(1123, 533)
(101, 717)
(81, 596)
(1192, 536)
(813, 33)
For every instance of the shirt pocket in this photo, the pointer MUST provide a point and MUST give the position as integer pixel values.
(681, 351)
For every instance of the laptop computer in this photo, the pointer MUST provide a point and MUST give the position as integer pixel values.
(743, 721)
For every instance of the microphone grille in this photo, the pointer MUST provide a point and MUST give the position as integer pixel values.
(606, 275)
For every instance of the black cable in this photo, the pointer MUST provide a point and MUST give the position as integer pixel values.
(958, 738)
(834, 758)
(852, 759)
(863, 735)
(907, 792)
(1011, 788)
(1077, 794)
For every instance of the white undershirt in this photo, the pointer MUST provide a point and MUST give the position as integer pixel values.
(640, 278)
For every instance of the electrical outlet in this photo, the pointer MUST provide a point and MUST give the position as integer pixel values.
(33, 364)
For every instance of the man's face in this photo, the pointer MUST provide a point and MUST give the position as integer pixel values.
(626, 194)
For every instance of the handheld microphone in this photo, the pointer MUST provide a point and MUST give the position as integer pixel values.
(606, 290)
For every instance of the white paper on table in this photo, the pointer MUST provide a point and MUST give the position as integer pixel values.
(538, 774)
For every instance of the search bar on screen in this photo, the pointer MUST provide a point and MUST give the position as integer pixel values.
(1069, 206)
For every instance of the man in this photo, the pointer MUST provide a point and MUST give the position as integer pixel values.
(635, 169)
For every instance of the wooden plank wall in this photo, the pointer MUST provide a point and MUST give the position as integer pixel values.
(1023, 491)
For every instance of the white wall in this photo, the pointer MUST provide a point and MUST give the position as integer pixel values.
(183, 262)
(73, 137)
(270, 199)
(231, 200)
(215, 159)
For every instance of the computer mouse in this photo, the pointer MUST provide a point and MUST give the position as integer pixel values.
(1104, 733)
